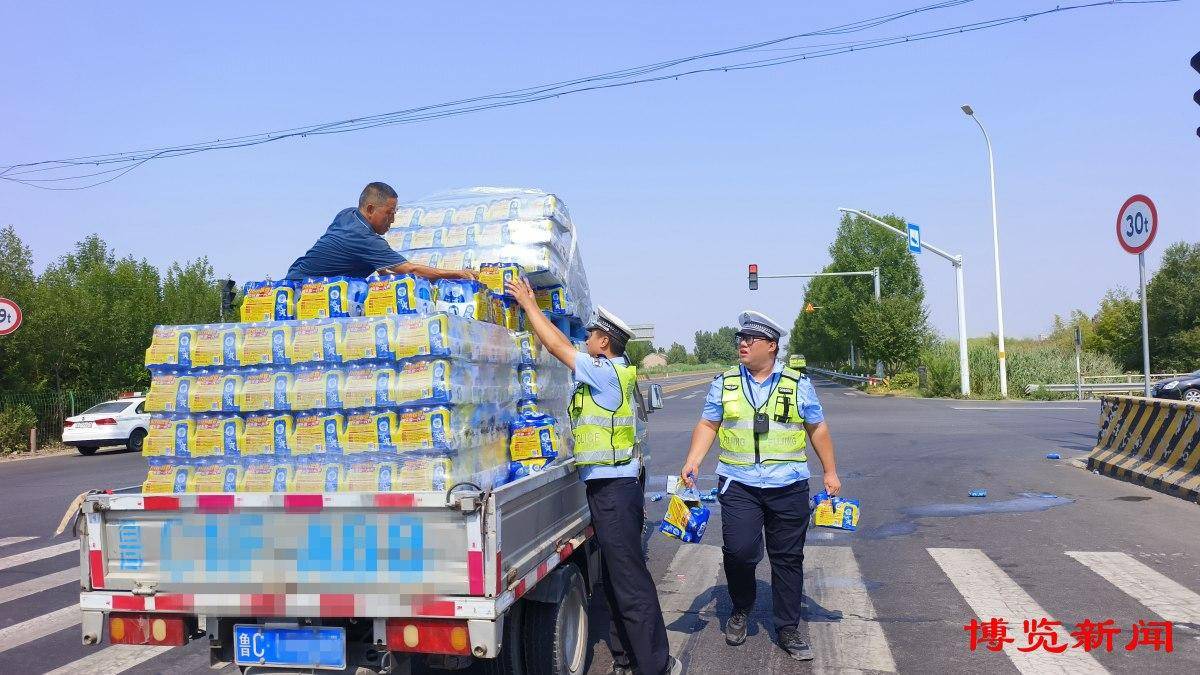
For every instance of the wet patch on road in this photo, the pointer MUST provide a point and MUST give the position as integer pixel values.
(1024, 502)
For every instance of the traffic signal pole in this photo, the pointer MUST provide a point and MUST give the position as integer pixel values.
(874, 273)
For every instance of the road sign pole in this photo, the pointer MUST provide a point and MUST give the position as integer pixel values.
(1145, 323)
(878, 298)
(964, 364)
(1078, 368)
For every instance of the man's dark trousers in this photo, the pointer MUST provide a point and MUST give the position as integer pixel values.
(783, 513)
(617, 506)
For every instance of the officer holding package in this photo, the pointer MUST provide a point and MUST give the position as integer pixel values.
(765, 416)
(603, 419)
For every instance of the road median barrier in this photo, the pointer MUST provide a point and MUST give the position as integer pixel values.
(1149, 441)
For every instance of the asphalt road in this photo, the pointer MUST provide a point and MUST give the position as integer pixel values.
(894, 595)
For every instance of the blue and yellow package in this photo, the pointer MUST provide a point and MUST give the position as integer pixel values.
(369, 386)
(427, 428)
(319, 432)
(422, 336)
(316, 474)
(205, 392)
(529, 347)
(424, 473)
(231, 346)
(265, 474)
(168, 436)
(266, 345)
(458, 235)
(527, 376)
(207, 348)
(170, 391)
(527, 467)
(216, 436)
(215, 474)
(368, 338)
(533, 437)
(686, 520)
(553, 300)
(317, 342)
(424, 382)
(835, 512)
(269, 301)
(513, 315)
(496, 275)
(167, 475)
(368, 472)
(267, 434)
(425, 237)
(317, 388)
(398, 294)
(372, 431)
(463, 297)
(267, 389)
(169, 348)
(331, 297)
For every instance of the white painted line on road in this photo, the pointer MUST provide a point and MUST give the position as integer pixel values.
(39, 554)
(5, 541)
(9, 593)
(993, 594)
(685, 590)
(1016, 408)
(1158, 593)
(849, 393)
(668, 398)
(692, 395)
(855, 642)
(28, 631)
(110, 660)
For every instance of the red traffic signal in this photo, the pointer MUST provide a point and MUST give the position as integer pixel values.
(754, 277)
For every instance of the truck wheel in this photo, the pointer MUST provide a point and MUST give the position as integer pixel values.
(86, 450)
(556, 634)
(511, 656)
(136, 439)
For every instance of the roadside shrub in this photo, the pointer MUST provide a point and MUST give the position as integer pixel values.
(904, 381)
(1029, 363)
(15, 423)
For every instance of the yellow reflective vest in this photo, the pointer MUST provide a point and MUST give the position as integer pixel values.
(602, 436)
(785, 438)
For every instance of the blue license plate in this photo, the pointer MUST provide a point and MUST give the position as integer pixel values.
(309, 647)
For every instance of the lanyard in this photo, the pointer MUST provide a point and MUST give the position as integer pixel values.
(749, 392)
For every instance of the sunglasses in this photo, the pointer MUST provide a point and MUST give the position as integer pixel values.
(741, 338)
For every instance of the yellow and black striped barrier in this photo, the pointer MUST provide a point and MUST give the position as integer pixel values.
(1150, 441)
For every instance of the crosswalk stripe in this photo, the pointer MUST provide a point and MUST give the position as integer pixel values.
(5, 541)
(1158, 593)
(110, 660)
(39, 554)
(37, 627)
(690, 396)
(855, 641)
(993, 594)
(685, 590)
(10, 593)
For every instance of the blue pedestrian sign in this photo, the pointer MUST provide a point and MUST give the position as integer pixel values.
(914, 237)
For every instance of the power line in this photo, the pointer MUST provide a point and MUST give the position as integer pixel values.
(644, 74)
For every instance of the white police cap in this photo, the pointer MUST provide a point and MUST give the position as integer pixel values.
(612, 324)
(760, 325)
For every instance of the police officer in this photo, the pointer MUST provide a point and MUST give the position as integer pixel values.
(765, 415)
(603, 420)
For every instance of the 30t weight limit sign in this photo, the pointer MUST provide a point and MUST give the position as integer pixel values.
(1137, 223)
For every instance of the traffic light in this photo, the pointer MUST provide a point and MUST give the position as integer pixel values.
(1196, 96)
(227, 295)
(754, 277)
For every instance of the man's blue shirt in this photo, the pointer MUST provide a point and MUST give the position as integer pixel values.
(768, 474)
(348, 248)
(601, 376)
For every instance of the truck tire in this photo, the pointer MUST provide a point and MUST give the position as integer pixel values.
(555, 635)
(136, 439)
(511, 657)
(86, 450)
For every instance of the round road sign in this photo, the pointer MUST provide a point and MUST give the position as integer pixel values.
(10, 316)
(1137, 223)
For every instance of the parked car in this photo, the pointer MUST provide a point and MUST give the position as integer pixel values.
(1184, 387)
(123, 421)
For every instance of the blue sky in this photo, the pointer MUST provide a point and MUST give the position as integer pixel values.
(675, 187)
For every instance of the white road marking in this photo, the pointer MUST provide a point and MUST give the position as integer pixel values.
(692, 395)
(993, 594)
(1158, 593)
(668, 398)
(110, 660)
(20, 590)
(854, 642)
(1015, 408)
(848, 393)
(5, 541)
(685, 590)
(39, 554)
(38, 627)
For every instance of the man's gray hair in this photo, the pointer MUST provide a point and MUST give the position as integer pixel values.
(376, 193)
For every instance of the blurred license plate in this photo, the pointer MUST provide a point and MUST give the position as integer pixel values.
(309, 647)
(83, 425)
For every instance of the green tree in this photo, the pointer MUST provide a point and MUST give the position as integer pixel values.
(1117, 329)
(16, 284)
(637, 350)
(825, 335)
(677, 353)
(1173, 310)
(190, 294)
(718, 347)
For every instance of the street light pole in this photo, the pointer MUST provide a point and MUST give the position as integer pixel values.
(996, 253)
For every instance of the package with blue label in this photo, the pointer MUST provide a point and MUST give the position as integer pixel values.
(318, 341)
(398, 294)
(331, 297)
(372, 431)
(453, 381)
(497, 275)
(267, 435)
(215, 391)
(170, 347)
(461, 297)
(369, 338)
(215, 474)
(834, 511)
(318, 388)
(369, 386)
(269, 301)
(217, 436)
(533, 436)
(320, 432)
(170, 391)
(168, 436)
(686, 519)
(266, 344)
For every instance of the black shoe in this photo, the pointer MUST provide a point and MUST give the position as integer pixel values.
(622, 670)
(797, 648)
(735, 629)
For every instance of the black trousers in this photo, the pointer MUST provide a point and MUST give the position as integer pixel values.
(783, 513)
(639, 638)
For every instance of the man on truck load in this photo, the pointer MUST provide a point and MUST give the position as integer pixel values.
(602, 415)
(354, 246)
(761, 412)
(798, 363)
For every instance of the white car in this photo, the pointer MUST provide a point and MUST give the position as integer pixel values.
(123, 421)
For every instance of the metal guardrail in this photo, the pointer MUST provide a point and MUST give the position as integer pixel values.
(1088, 387)
(848, 377)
